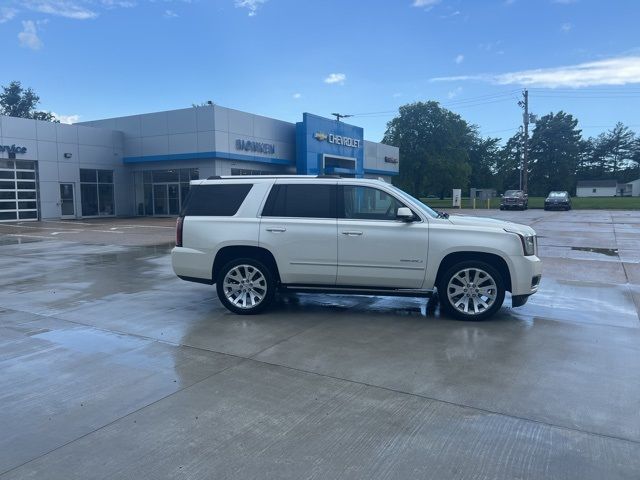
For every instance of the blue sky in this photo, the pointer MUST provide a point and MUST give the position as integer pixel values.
(91, 59)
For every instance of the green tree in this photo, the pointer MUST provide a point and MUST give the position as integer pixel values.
(555, 149)
(16, 101)
(484, 156)
(619, 143)
(508, 163)
(435, 145)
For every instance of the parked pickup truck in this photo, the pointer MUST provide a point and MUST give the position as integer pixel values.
(255, 236)
(514, 199)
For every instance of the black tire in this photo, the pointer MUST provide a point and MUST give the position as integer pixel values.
(450, 309)
(501, 208)
(250, 291)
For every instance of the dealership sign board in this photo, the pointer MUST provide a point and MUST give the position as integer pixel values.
(13, 149)
(337, 139)
(256, 147)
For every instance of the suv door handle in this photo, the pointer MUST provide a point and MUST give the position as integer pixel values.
(276, 229)
(352, 233)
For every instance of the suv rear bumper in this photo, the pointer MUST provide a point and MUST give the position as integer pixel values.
(525, 274)
(191, 264)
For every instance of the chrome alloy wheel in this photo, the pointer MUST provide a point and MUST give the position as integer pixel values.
(472, 291)
(245, 286)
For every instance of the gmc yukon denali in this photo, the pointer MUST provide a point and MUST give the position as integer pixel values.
(255, 236)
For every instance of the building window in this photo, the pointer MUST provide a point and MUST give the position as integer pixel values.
(594, 190)
(163, 192)
(246, 171)
(96, 191)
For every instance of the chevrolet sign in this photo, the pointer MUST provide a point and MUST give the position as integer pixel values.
(337, 139)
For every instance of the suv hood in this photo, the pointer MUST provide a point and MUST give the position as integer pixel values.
(490, 223)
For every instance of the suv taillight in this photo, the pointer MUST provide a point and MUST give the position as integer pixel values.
(179, 224)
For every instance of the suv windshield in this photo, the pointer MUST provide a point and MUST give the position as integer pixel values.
(557, 194)
(513, 193)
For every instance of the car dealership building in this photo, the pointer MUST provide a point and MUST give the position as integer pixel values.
(142, 164)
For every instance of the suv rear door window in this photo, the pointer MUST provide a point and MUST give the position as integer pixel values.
(301, 201)
(216, 200)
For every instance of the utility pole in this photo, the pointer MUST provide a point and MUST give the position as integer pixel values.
(525, 157)
(339, 116)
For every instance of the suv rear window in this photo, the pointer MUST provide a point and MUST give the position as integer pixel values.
(215, 200)
(301, 201)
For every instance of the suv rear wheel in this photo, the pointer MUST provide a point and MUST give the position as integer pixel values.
(471, 290)
(245, 286)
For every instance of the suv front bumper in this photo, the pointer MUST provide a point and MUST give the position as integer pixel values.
(526, 273)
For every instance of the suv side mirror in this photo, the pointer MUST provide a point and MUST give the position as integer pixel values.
(405, 214)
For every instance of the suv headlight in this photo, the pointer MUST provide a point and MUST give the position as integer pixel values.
(529, 243)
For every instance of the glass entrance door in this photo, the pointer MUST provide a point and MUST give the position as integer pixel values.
(67, 204)
(166, 198)
(173, 190)
(160, 200)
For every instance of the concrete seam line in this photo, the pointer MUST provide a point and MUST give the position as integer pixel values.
(461, 405)
(401, 392)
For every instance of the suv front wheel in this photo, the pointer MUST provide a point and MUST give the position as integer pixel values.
(471, 290)
(245, 286)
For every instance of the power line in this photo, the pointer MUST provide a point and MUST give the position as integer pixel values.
(461, 101)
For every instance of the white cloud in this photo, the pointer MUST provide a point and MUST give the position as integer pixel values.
(565, 2)
(397, 95)
(459, 59)
(297, 96)
(29, 36)
(426, 4)
(118, 3)
(613, 71)
(566, 27)
(454, 93)
(170, 14)
(62, 8)
(7, 13)
(335, 78)
(68, 119)
(251, 5)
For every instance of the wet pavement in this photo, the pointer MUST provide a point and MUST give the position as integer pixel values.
(110, 367)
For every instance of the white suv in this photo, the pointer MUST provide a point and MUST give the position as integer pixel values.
(252, 236)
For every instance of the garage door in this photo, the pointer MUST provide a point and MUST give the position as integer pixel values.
(18, 190)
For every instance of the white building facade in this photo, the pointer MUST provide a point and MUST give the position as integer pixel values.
(597, 188)
(142, 164)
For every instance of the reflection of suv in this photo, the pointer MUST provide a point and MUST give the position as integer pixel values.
(514, 199)
(252, 236)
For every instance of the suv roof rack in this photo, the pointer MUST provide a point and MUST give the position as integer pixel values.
(214, 177)
(328, 176)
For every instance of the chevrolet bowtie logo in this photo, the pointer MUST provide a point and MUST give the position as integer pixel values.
(320, 136)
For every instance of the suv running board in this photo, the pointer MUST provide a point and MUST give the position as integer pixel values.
(395, 292)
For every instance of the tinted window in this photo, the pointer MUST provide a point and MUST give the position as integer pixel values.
(302, 201)
(366, 203)
(216, 200)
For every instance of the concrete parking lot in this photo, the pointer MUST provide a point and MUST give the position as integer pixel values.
(110, 367)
